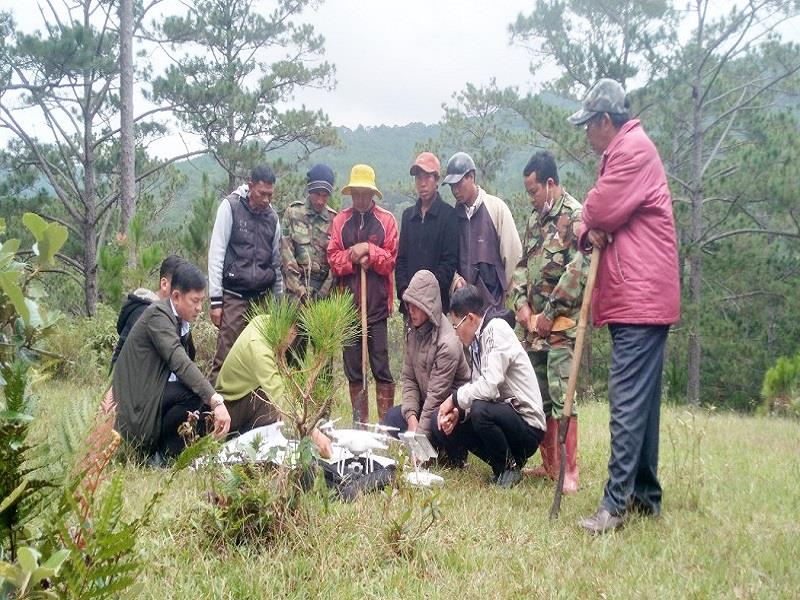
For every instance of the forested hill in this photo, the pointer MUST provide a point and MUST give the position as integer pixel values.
(390, 150)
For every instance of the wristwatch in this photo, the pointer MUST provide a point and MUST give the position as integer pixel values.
(216, 400)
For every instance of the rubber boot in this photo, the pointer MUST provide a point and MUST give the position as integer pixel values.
(548, 449)
(384, 392)
(360, 404)
(571, 471)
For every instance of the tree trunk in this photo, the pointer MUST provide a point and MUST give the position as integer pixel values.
(90, 269)
(695, 251)
(127, 192)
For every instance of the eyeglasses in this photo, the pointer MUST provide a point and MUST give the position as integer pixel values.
(594, 119)
(456, 326)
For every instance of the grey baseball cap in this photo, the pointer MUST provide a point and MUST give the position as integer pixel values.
(605, 96)
(459, 165)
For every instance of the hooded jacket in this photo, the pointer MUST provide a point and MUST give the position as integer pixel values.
(434, 362)
(134, 306)
(637, 280)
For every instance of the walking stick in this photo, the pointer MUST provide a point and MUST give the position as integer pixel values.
(364, 394)
(563, 424)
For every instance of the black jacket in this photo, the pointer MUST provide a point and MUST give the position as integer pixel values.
(428, 243)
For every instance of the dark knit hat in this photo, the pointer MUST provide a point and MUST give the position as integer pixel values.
(320, 179)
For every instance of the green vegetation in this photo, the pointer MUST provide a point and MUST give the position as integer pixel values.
(729, 527)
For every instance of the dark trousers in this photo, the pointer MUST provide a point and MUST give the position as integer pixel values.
(250, 412)
(634, 393)
(498, 435)
(394, 418)
(246, 413)
(233, 322)
(378, 350)
(178, 400)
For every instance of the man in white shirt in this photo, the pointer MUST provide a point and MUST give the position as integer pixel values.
(498, 415)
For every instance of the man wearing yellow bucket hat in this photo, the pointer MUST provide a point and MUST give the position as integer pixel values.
(364, 238)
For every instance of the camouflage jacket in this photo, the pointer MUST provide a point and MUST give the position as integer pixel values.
(304, 249)
(552, 272)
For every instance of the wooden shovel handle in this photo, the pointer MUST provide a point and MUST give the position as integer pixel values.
(364, 353)
(572, 383)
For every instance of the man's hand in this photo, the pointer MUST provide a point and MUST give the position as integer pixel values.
(543, 326)
(216, 316)
(364, 262)
(599, 238)
(460, 282)
(524, 316)
(222, 419)
(448, 416)
(322, 442)
(412, 422)
(358, 251)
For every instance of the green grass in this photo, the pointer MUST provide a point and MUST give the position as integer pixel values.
(729, 529)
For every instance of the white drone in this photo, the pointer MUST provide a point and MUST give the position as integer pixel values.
(358, 443)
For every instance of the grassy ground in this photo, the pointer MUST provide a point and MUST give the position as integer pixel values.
(729, 529)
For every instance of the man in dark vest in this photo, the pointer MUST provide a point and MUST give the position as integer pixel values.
(489, 245)
(244, 258)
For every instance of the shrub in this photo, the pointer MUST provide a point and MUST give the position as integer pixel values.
(781, 388)
(82, 346)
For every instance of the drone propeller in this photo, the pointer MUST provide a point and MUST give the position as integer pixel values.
(377, 427)
(329, 423)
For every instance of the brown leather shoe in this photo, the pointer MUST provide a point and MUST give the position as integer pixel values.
(602, 522)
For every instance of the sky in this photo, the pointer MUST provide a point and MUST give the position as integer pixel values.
(396, 62)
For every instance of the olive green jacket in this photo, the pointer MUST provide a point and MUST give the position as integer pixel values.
(152, 351)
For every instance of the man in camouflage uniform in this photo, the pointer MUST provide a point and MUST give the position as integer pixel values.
(304, 246)
(547, 293)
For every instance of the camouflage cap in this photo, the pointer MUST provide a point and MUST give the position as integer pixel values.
(605, 96)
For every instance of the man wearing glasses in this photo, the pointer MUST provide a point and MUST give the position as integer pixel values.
(498, 415)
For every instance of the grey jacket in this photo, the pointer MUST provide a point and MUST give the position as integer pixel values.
(153, 350)
(434, 358)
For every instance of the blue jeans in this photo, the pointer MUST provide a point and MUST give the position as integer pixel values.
(634, 394)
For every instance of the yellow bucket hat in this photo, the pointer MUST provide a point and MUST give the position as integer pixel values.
(362, 176)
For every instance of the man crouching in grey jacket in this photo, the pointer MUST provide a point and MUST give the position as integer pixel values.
(498, 415)
(434, 365)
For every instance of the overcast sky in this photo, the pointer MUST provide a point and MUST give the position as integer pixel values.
(396, 62)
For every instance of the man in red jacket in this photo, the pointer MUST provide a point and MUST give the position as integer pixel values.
(364, 236)
(628, 213)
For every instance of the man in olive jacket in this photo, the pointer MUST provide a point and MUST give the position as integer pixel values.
(150, 407)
